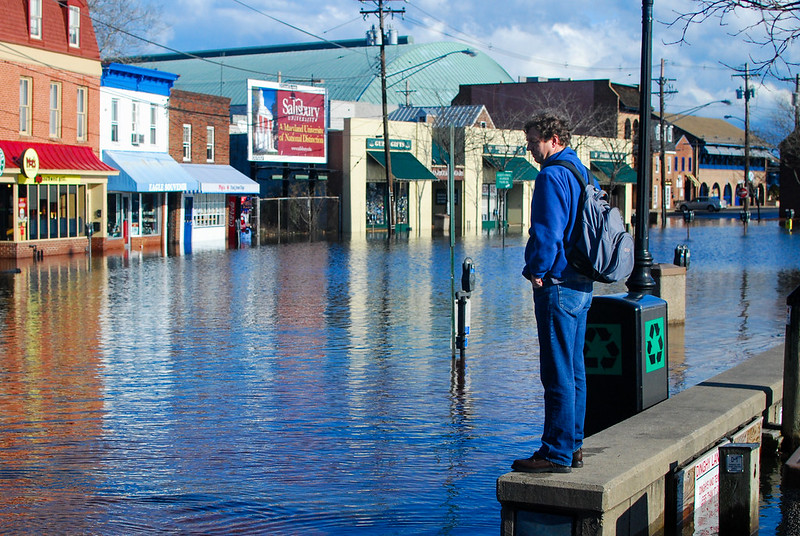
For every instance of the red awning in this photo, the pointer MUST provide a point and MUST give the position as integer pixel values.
(57, 158)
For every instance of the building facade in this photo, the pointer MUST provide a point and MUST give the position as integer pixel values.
(217, 212)
(134, 139)
(52, 183)
(717, 164)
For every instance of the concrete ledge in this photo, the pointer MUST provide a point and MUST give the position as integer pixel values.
(623, 461)
(671, 287)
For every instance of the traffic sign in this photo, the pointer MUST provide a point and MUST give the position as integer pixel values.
(503, 180)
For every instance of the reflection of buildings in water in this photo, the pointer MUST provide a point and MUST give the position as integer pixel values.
(51, 389)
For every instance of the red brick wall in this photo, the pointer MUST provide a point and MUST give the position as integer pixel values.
(65, 246)
(199, 111)
(41, 78)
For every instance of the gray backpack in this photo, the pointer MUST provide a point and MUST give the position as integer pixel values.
(601, 248)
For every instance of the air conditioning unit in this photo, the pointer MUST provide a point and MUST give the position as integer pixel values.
(134, 139)
(141, 138)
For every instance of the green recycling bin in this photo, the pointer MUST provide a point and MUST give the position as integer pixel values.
(626, 357)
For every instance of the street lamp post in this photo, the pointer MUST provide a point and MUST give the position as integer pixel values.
(641, 281)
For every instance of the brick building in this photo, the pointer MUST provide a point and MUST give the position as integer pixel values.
(214, 213)
(52, 183)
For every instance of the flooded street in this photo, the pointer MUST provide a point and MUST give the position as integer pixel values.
(308, 388)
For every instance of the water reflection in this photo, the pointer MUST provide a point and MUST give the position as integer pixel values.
(310, 388)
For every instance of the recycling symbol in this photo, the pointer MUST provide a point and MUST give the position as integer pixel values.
(655, 345)
(602, 350)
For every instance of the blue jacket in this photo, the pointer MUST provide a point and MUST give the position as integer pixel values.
(553, 211)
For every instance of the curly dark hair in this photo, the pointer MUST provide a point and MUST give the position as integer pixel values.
(548, 126)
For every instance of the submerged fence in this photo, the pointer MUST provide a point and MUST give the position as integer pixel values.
(292, 218)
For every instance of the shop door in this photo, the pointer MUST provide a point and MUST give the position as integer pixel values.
(126, 220)
(188, 205)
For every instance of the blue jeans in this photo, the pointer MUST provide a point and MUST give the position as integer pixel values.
(561, 321)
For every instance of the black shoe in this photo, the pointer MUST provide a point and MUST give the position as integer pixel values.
(577, 459)
(534, 464)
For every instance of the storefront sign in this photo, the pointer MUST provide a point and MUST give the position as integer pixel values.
(607, 156)
(442, 173)
(50, 179)
(2, 161)
(288, 123)
(505, 150)
(167, 187)
(30, 163)
(396, 145)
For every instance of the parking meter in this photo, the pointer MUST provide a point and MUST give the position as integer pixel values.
(688, 216)
(463, 309)
(744, 215)
(468, 276)
(681, 257)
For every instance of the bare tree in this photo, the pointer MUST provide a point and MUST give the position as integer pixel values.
(124, 28)
(775, 28)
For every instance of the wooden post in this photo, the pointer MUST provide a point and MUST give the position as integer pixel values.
(738, 488)
(790, 422)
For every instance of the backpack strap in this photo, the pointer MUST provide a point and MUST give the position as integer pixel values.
(569, 242)
(570, 166)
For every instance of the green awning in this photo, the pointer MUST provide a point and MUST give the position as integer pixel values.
(405, 167)
(620, 171)
(521, 169)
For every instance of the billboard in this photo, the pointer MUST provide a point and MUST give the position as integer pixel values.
(286, 123)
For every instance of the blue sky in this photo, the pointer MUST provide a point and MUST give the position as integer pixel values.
(578, 39)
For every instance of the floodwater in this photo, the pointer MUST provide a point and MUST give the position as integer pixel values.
(308, 388)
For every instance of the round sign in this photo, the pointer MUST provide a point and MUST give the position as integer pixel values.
(30, 163)
(741, 191)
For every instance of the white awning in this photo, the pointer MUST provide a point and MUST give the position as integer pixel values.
(221, 179)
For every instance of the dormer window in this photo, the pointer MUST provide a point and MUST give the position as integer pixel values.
(36, 19)
(74, 26)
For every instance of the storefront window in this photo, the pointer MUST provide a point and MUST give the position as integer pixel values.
(401, 203)
(376, 199)
(150, 224)
(135, 228)
(42, 216)
(489, 203)
(209, 210)
(53, 211)
(114, 220)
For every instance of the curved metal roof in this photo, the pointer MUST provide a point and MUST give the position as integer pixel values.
(428, 73)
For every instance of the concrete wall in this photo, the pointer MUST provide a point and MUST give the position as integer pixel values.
(627, 483)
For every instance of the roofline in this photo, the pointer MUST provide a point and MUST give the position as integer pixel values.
(139, 71)
(267, 49)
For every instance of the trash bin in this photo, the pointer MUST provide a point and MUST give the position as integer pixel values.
(626, 357)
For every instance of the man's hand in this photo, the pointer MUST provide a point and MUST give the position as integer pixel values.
(537, 283)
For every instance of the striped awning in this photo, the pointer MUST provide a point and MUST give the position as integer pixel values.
(693, 179)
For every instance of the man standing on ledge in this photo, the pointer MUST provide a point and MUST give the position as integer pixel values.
(561, 298)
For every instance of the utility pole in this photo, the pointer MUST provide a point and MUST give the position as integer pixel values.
(663, 135)
(795, 99)
(382, 12)
(748, 93)
(407, 93)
